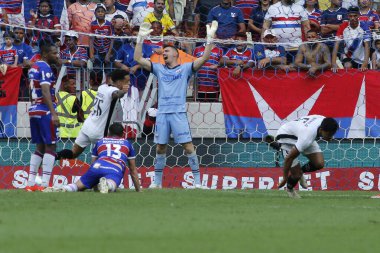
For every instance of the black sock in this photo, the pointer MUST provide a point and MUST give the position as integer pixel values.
(291, 182)
(65, 154)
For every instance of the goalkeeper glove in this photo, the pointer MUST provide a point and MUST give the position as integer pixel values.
(144, 32)
(211, 30)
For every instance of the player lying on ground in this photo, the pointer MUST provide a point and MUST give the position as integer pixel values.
(172, 85)
(299, 136)
(110, 157)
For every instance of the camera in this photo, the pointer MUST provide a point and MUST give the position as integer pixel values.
(3, 94)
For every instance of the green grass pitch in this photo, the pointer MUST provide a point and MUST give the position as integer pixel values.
(176, 220)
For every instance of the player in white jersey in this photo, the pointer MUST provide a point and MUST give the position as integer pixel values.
(172, 85)
(93, 127)
(299, 136)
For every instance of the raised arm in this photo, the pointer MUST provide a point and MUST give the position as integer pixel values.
(138, 57)
(211, 30)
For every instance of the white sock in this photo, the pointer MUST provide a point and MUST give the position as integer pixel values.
(47, 167)
(35, 162)
(71, 188)
(111, 185)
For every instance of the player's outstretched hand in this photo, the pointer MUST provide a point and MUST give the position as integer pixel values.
(144, 32)
(211, 30)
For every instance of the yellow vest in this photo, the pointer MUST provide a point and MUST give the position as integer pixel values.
(69, 126)
(88, 97)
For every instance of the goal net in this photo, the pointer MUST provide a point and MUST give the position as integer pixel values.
(245, 92)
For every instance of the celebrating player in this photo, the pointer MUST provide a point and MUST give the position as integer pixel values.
(110, 157)
(298, 136)
(94, 126)
(43, 117)
(172, 85)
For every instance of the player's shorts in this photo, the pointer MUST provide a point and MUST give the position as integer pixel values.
(100, 169)
(83, 140)
(175, 123)
(42, 129)
(314, 148)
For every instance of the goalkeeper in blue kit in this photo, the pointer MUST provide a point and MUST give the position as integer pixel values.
(173, 80)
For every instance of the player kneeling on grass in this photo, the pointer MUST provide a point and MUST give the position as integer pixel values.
(110, 157)
(299, 136)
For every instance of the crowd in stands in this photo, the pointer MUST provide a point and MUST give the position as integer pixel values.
(338, 34)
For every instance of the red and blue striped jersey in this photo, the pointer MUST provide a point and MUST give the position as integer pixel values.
(371, 17)
(41, 74)
(246, 56)
(114, 150)
(11, 6)
(79, 55)
(207, 76)
(46, 22)
(246, 6)
(7, 56)
(315, 15)
(101, 45)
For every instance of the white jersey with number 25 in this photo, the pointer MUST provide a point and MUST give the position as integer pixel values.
(94, 125)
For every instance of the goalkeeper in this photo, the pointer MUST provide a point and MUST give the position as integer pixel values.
(298, 136)
(172, 86)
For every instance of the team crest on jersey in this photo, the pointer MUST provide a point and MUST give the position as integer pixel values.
(178, 71)
(233, 14)
(339, 17)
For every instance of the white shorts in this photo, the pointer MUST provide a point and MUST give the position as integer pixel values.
(83, 140)
(314, 148)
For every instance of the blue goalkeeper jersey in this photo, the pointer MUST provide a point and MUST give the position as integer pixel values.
(172, 86)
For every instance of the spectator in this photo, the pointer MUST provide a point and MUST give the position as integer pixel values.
(202, 8)
(119, 27)
(3, 21)
(376, 54)
(139, 9)
(88, 96)
(240, 57)
(313, 56)
(208, 89)
(69, 112)
(8, 54)
(290, 22)
(125, 61)
(246, 6)
(256, 19)
(100, 47)
(159, 15)
(331, 19)
(73, 57)
(156, 44)
(44, 19)
(24, 51)
(270, 54)
(314, 14)
(367, 15)
(230, 20)
(122, 5)
(357, 37)
(81, 14)
(111, 11)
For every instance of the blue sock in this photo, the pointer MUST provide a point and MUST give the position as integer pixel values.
(194, 165)
(159, 166)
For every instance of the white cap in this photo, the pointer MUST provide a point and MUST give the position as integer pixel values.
(72, 34)
(99, 5)
(152, 112)
(270, 32)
